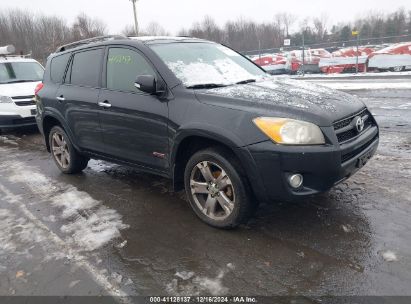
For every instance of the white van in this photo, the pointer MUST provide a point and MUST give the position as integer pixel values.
(19, 77)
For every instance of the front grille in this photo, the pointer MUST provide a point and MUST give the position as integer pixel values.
(341, 124)
(345, 128)
(24, 100)
(347, 156)
(344, 136)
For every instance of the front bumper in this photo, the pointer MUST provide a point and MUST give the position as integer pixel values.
(322, 167)
(15, 121)
(14, 116)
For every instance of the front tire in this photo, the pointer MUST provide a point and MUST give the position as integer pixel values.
(217, 189)
(67, 159)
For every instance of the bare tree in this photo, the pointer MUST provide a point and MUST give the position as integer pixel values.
(284, 21)
(129, 31)
(154, 29)
(183, 32)
(288, 21)
(21, 25)
(408, 30)
(51, 32)
(40, 35)
(320, 25)
(86, 27)
(207, 29)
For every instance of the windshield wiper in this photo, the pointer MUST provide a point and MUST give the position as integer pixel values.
(21, 80)
(246, 81)
(206, 86)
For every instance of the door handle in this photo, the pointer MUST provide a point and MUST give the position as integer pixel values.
(105, 104)
(60, 98)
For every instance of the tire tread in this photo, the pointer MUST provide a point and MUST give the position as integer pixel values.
(78, 162)
(228, 160)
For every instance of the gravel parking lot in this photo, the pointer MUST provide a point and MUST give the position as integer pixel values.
(115, 231)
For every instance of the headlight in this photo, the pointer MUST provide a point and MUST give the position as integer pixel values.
(289, 131)
(5, 99)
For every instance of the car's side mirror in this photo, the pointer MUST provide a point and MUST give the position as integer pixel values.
(146, 83)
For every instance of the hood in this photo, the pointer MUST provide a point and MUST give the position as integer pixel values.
(283, 97)
(18, 89)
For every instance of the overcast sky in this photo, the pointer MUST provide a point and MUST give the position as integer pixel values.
(174, 15)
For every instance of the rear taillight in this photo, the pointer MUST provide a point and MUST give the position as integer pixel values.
(38, 88)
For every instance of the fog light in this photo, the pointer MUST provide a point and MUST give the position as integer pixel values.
(295, 180)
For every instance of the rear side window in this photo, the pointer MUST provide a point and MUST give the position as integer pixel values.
(85, 69)
(58, 67)
(123, 67)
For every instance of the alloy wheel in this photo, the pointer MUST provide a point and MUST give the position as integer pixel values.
(212, 190)
(60, 150)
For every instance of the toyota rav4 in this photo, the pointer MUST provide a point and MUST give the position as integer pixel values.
(204, 116)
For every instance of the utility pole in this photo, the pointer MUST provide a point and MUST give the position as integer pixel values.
(135, 16)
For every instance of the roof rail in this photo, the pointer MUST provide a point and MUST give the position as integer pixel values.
(87, 41)
(24, 56)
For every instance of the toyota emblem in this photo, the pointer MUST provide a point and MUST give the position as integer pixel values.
(359, 124)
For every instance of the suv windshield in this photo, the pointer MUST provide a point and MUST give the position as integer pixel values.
(207, 64)
(12, 72)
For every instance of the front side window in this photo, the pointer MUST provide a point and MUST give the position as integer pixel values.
(197, 64)
(14, 72)
(123, 67)
(85, 70)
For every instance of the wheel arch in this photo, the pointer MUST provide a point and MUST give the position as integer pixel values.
(191, 142)
(50, 120)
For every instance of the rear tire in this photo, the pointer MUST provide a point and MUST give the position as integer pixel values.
(66, 157)
(217, 188)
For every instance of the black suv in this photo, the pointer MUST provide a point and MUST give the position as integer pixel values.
(204, 116)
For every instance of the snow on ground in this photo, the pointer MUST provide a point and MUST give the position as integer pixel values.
(90, 226)
(198, 285)
(7, 140)
(15, 230)
(185, 275)
(21, 231)
(347, 228)
(357, 85)
(389, 256)
(187, 283)
(343, 75)
(404, 106)
(97, 228)
(213, 286)
(50, 218)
